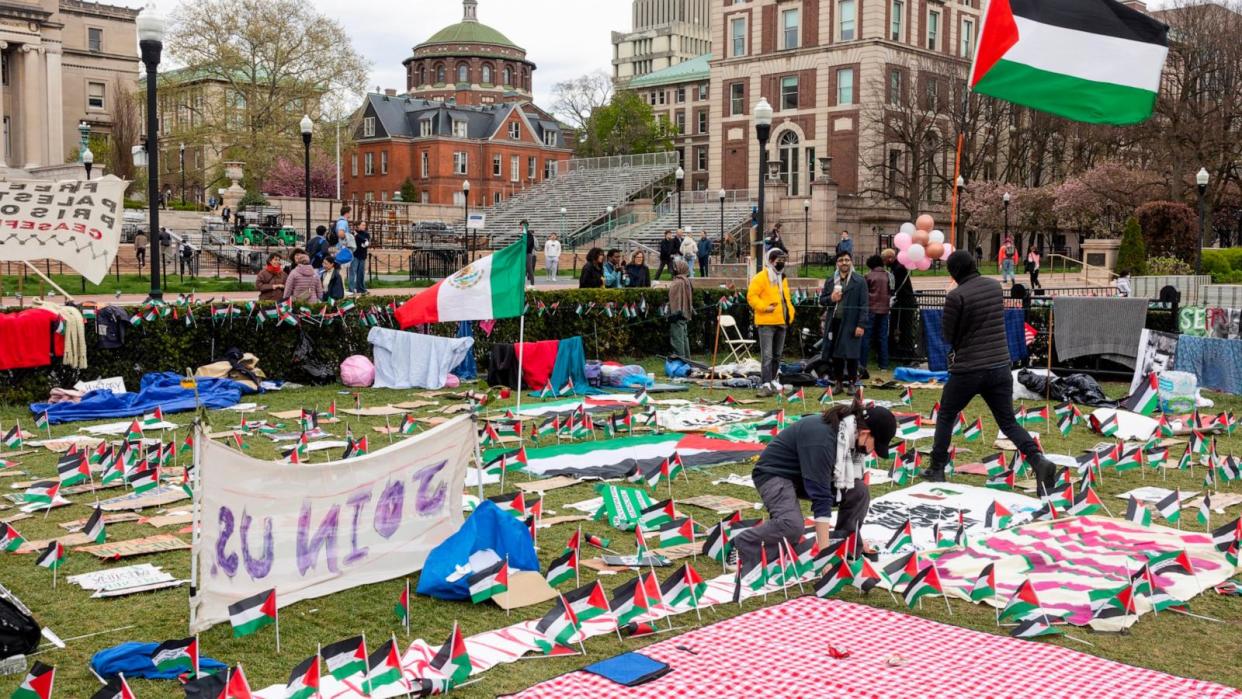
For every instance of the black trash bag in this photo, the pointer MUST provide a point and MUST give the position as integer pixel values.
(1075, 388)
(308, 368)
(19, 632)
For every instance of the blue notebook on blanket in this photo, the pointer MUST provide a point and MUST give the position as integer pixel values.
(629, 669)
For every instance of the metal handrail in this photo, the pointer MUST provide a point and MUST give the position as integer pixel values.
(1087, 269)
(669, 204)
(663, 159)
(593, 233)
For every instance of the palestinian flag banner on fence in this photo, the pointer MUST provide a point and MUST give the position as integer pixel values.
(492, 287)
(1096, 61)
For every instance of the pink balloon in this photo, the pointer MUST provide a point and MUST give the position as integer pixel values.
(948, 250)
(925, 264)
(902, 240)
(925, 223)
(903, 259)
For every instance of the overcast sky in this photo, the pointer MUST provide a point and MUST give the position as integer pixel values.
(559, 38)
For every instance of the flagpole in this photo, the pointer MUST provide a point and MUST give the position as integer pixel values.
(521, 355)
(478, 460)
(508, 611)
(388, 428)
(278, 630)
(942, 594)
(794, 561)
(577, 555)
(407, 607)
(318, 657)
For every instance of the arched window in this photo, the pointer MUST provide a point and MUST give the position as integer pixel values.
(487, 75)
(422, 75)
(463, 73)
(788, 145)
(508, 76)
(440, 77)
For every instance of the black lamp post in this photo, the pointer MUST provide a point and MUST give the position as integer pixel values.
(1201, 179)
(88, 161)
(806, 234)
(722, 198)
(308, 128)
(181, 154)
(681, 177)
(763, 129)
(1005, 199)
(151, 44)
(465, 236)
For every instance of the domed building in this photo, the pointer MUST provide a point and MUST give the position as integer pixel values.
(469, 63)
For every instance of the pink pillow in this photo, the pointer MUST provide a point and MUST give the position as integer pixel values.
(451, 381)
(357, 372)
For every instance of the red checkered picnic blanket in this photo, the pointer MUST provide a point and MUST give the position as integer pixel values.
(783, 651)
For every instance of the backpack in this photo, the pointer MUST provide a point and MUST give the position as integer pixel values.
(334, 238)
(19, 632)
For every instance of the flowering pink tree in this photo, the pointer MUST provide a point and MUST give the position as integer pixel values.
(983, 208)
(287, 178)
(1098, 201)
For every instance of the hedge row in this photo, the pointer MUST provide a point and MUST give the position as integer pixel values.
(1225, 266)
(166, 344)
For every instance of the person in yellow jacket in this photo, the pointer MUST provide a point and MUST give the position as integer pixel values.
(772, 305)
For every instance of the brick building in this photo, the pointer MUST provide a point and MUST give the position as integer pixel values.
(467, 117)
(681, 95)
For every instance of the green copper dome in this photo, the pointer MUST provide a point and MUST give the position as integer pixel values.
(469, 33)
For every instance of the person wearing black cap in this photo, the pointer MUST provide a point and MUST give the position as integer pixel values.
(820, 458)
(974, 328)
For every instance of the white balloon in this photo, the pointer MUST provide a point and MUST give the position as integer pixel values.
(948, 250)
(907, 228)
(937, 236)
(916, 252)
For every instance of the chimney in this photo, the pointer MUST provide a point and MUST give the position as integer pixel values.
(1140, 5)
(390, 92)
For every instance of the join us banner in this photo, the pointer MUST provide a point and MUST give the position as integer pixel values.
(310, 530)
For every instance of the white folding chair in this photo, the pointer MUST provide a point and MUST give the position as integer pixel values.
(739, 347)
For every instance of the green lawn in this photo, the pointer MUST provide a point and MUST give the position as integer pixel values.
(1169, 642)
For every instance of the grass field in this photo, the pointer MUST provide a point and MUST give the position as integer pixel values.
(1169, 642)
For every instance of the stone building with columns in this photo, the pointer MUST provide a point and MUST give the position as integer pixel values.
(62, 63)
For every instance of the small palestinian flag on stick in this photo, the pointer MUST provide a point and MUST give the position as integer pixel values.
(10, 539)
(489, 582)
(985, 585)
(907, 397)
(346, 658)
(383, 669)
(304, 680)
(117, 688)
(452, 659)
(402, 608)
(254, 613)
(94, 529)
(52, 558)
(180, 656)
(1137, 512)
(974, 432)
(1170, 507)
(13, 438)
(563, 568)
(42, 422)
(37, 684)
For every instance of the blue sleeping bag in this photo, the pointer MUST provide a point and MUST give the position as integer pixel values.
(134, 659)
(488, 527)
(161, 390)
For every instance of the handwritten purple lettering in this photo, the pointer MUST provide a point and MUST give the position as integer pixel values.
(325, 538)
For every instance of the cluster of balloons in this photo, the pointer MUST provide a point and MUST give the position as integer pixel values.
(918, 244)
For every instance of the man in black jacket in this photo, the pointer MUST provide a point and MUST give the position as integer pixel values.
(669, 247)
(974, 327)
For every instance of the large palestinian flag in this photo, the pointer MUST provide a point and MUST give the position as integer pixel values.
(1096, 61)
(614, 458)
(493, 287)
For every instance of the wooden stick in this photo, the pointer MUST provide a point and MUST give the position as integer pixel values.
(45, 278)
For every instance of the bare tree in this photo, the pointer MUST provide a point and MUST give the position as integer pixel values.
(574, 100)
(126, 130)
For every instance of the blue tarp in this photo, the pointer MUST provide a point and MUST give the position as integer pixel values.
(571, 364)
(938, 350)
(158, 389)
(488, 527)
(467, 370)
(906, 374)
(134, 659)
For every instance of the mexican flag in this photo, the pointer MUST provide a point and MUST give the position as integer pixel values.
(493, 287)
(1096, 61)
(253, 613)
(38, 683)
(346, 658)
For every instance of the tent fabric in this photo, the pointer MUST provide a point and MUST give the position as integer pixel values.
(905, 374)
(1215, 362)
(571, 364)
(161, 390)
(938, 349)
(488, 527)
(467, 370)
(134, 659)
(411, 360)
(538, 359)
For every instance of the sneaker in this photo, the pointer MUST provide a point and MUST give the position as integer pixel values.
(732, 558)
(933, 475)
(765, 391)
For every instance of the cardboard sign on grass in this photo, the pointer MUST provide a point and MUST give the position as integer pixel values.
(526, 588)
(159, 543)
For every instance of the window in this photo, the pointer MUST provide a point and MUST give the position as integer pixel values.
(531, 164)
(95, 95)
(440, 74)
(895, 86)
(353, 165)
(681, 122)
(967, 36)
(94, 39)
(425, 168)
(384, 196)
(661, 98)
(463, 73)
(737, 99)
(368, 127)
(496, 198)
(549, 139)
(702, 122)
(461, 163)
(789, 92)
(368, 164)
(461, 129)
(931, 93)
(790, 170)
(700, 159)
(550, 169)
(845, 20)
(703, 91)
(899, 16)
(933, 30)
(845, 86)
(508, 76)
(515, 131)
(383, 162)
(893, 171)
(515, 168)
(497, 166)
(487, 75)
(424, 127)
(790, 22)
(681, 95)
(737, 30)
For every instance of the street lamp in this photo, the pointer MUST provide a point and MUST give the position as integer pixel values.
(1201, 179)
(181, 153)
(681, 177)
(465, 238)
(151, 45)
(960, 185)
(308, 128)
(88, 160)
(763, 129)
(806, 233)
(563, 212)
(1005, 199)
(721, 194)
